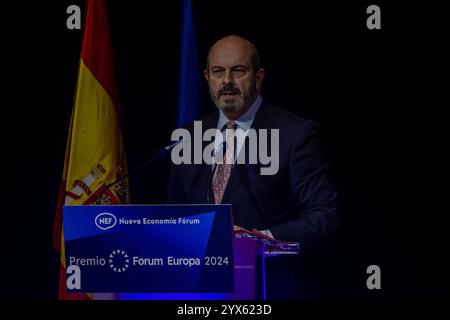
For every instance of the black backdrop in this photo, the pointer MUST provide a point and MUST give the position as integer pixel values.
(378, 95)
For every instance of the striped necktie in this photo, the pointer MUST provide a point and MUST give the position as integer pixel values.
(224, 169)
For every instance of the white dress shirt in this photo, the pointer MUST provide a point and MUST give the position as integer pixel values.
(243, 124)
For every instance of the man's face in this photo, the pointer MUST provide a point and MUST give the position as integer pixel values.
(233, 83)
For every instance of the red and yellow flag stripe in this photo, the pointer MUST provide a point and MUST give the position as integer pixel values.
(95, 154)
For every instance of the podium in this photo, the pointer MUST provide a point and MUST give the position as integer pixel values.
(251, 249)
(166, 252)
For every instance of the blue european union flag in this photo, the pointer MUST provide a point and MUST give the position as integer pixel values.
(188, 102)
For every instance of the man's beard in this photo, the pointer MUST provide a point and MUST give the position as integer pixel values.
(229, 105)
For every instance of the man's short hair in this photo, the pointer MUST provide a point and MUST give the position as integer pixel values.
(254, 59)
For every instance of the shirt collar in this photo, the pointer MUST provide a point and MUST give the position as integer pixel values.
(245, 121)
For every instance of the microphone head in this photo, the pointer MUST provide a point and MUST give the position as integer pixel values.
(165, 151)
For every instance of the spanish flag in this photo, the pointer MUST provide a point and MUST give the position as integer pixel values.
(95, 154)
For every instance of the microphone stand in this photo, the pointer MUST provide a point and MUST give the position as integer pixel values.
(161, 154)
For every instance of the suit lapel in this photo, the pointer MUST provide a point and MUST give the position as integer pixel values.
(202, 175)
(265, 116)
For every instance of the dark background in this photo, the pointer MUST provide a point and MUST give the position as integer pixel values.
(379, 95)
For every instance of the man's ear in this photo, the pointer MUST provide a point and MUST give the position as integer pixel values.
(259, 77)
(205, 73)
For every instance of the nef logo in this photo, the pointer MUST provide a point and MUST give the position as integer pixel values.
(105, 221)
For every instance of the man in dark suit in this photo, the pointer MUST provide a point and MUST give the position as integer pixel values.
(299, 201)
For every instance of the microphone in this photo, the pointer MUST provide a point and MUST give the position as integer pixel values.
(209, 192)
(161, 154)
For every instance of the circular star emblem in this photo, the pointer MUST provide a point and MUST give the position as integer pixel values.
(119, 261)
